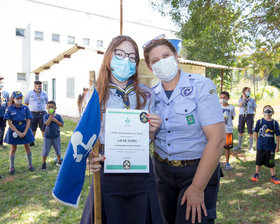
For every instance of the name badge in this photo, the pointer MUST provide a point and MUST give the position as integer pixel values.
(186, 91)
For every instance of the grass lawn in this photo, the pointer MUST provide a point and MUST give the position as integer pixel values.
(26, 197)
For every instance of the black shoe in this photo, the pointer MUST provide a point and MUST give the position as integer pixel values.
(44, 166)
(31, 168)
(12, 171)
(32, 144)
(59, 163)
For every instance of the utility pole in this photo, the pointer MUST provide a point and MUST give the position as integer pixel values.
(121, 17)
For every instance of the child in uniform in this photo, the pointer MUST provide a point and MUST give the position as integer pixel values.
(229, 113)
(19, 132)
(52, 121)
(264, 133)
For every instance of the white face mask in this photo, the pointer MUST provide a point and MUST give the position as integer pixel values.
(18, 101)
(165, 69)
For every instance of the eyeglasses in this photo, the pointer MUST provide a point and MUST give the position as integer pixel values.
(120, 54)
(160, 37)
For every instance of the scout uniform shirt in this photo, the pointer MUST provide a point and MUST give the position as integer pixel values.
(251, 106)
(4, 99)
(193, 104)
(36, 102)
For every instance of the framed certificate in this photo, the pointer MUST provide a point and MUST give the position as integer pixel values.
(126, 141)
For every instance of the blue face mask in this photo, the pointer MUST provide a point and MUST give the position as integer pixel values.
(123, 69)
(248, 94)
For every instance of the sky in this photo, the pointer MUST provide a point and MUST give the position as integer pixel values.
(133, 10)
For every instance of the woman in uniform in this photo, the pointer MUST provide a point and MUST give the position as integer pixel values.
(19, 132)
(189, 143)
(126, 198)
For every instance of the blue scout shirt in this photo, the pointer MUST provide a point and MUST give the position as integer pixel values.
(52, 130)
(18, 116)
(116, 101)
(36, 102)
(193, 104)
(3, 102)
(251, 106)
(266, 130)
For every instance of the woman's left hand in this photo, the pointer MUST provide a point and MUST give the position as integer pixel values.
(195, 203)
(155, 122)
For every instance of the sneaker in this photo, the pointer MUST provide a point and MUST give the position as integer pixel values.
(44, 166)
(59, 163)
(12, 171)
(237, 148)
(31, 168)
(32, 144)
(228, 167)
(275, 180)
(255, 177)
(251, 150)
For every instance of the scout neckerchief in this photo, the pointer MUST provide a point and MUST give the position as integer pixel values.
(124, 92)
(246, 106)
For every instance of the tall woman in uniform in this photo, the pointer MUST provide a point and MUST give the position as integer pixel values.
(126, 198)
(190, 141)
(19, 132)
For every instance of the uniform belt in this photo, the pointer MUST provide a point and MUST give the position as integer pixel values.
(19, 122)
(178, 163)
(37, 112)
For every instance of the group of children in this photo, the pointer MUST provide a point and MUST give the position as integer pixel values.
(19, 117)
(264, 131)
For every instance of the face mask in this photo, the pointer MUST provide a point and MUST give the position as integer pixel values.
(248, 94)
(222, 101)
(122, 69)
(38, 89)
(1, 86)
(18, 101)
(267, 111)
(51, 110)
(165, 69)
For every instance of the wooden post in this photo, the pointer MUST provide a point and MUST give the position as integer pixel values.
(121, 17)
(92, 79)
(97, 189)
(222, 80)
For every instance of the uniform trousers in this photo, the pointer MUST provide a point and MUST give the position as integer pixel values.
(172, 182)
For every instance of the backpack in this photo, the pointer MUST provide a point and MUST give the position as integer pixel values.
(274, 123)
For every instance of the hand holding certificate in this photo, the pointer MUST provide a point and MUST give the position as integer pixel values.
(126, 141)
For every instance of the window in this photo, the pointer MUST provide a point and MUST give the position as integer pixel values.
(36, 77)
(99, 43)
(71, 40)
(39, 35)
(55, 37)
(45, 86)
(20, 76)
(19, 32)
(70, 88)
(86, 41)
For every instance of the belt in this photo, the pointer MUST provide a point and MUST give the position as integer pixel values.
(177, 163)
(18, 122)
(37, 112)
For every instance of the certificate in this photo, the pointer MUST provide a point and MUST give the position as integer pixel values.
(126, 141)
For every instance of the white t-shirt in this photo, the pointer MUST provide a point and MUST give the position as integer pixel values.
(229, 112)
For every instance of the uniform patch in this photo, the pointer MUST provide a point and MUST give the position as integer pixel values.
(190, 119)
(186, 91)
(144, 117)
(212, 91)
(126, 164)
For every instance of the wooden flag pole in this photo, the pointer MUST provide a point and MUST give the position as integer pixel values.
(97, 188)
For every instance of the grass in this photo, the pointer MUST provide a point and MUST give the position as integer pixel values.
(26, 197)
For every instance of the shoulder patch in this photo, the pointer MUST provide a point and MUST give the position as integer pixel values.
(212, 91)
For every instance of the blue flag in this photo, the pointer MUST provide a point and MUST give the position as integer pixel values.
(70, 178)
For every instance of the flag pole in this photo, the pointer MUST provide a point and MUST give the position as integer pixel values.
(97, 188)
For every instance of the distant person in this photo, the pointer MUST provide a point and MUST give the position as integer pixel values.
(247, 109)
(4, 99)
(265, 130)
(19, 132)
(53, 122)
(229, 114)
(81, 101)
(36, 100)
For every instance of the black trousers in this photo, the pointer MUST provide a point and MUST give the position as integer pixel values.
(2, 129)
(172, 182)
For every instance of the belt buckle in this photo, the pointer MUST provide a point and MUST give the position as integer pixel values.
(176, 162)
(20, 123)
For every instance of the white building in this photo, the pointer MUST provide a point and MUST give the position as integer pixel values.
(33, 33)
